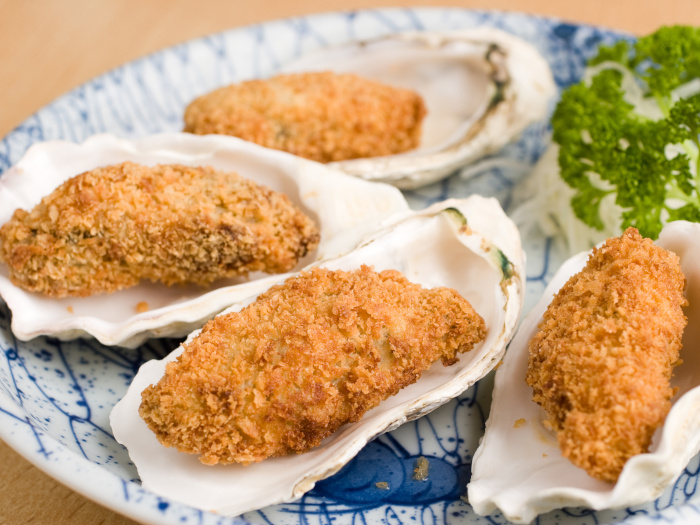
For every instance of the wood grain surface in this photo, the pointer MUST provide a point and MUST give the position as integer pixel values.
(48, 47)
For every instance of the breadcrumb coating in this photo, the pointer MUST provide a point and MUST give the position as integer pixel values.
(108, 228)
(602, 360)
(321, 116)
(308, 356)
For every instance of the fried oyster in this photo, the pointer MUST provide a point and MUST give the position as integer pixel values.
(108, 228)
(601, 362)
(322, 116)
(308, 356)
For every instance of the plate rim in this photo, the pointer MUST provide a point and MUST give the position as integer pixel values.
(13, 435)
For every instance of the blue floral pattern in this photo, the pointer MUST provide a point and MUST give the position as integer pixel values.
(55, 397)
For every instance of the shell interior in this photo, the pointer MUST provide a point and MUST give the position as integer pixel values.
(452, 78)
(481, 87)
(519, 469)
(432, 247)
(345, 208)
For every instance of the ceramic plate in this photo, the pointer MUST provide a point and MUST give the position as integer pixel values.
(55, 397)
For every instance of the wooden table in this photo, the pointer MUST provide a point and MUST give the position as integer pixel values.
(48, 47)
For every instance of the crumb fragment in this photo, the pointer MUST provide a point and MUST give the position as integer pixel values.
(142, 307)
(382, 485)
(420, 472)
(519, 422)
(69, 308)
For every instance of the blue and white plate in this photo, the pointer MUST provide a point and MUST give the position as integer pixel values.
(55, 397)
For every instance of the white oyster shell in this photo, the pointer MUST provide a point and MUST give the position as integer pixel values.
(483, 261)
(345, 208)
(481, 86)
(521, 470)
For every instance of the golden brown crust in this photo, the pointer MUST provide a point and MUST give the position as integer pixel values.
(308, 356)
(320, 116)
(602, 360)
(106, 229)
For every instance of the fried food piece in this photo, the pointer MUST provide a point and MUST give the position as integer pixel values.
(602, 360)
(321, 116)
(308, 356)
(108, 228)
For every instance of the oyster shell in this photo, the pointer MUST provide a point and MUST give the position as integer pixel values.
(345, 208)
(469, 245)
(519, 469)
(481, 86)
